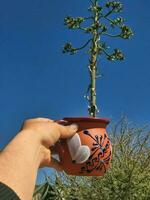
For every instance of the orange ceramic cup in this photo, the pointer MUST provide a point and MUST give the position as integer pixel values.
(93, 136)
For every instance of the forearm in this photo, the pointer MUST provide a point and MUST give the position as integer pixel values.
(19, 163)
(29, 150)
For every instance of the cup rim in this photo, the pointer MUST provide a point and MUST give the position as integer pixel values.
(87, 119)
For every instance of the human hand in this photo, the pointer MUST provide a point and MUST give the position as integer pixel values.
(48, 132)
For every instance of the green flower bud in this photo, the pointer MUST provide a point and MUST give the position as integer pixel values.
(73, 23)
(117, 55)
(117, 21)
(69, 49)
(115, 5)
(126, 32)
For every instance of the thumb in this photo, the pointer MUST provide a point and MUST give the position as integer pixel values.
(67, 131)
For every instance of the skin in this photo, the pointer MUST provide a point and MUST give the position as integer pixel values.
(29, 150)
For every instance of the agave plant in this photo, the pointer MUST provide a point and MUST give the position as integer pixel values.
(104, 21)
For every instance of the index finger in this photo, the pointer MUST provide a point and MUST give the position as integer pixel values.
(67, 131)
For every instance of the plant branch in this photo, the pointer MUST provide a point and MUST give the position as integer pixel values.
(107, 54)
(110, 35)
(110, 20)
(110, 12)
(82, 47)
(96, 29)
(93, 65)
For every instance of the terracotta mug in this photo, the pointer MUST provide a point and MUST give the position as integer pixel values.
(89, 152)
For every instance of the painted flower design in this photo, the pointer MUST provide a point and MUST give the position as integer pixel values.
(100, 153)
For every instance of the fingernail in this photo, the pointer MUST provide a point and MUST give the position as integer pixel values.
(74, 127)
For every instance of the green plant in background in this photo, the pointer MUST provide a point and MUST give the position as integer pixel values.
(127, 179)
(103, 22)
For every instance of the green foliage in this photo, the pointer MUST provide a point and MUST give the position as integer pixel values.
(117, 22)
(69, 49)
(126, 32)
(101, 27)
(115, 6)
(127, 179)
(73, 23)
(101, 23)
(116, 55)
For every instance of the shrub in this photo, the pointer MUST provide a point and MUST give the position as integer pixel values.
(127, 179)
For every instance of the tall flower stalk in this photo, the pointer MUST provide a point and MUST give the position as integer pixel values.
(102, 23)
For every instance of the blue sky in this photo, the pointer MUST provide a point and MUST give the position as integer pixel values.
(36, 79)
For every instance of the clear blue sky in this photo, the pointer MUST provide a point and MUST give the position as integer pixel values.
(36, 79)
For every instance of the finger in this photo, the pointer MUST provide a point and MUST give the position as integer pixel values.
(62, 122)
(35, 120)
(40, 119)
(55, 164)
(67, 131)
